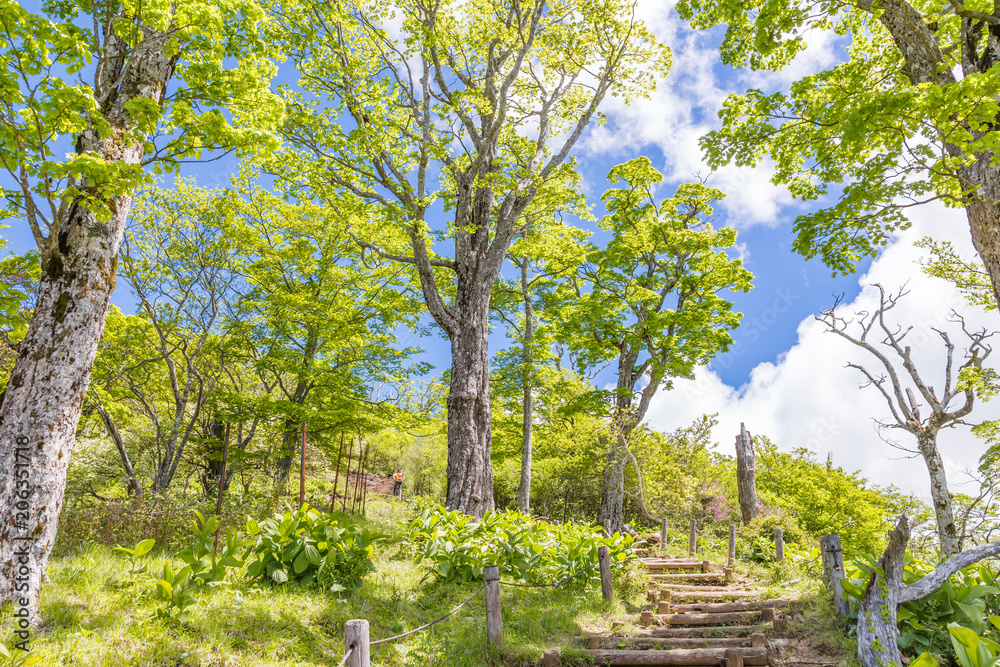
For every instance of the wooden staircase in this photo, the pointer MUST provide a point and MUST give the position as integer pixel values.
(698, 616)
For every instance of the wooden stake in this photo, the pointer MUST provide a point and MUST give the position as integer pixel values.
(732, 545)
(663, 536)
(302, 469)
(779, 545)
(347, 475)
(336, 476)
(222, 485)
(356, 500)
(551, 658)
(494, 621)
(693, 539)
(734, 657)
(356, 637)
(364, 488)
(833, 564)
(604, 560)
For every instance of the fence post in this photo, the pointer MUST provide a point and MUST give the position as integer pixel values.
(302, 469)
(833, 565)
(663, 536)
(732, 545)
(222, 486)
(604, 560)
(356, 636)
(779, 545)
(494, 622)
(693, 540)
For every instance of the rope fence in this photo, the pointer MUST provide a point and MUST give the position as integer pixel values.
(358, 645)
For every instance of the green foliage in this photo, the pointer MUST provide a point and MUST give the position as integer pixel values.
(137, 566)
(968, 600)
(825, 499)
(971, 650)
(458, 547)
(755, 541)
(891, 126)
(205, 568)
(307, 547)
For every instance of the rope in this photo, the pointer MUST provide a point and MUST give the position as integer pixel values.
(346, 656)
(424, 627)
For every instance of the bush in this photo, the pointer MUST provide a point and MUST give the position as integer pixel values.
(458, 547)
(307, 547)
(755, 541)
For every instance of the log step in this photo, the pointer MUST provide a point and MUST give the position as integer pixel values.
(597, 641)
(690, 576)
(706, 631)
(723, 607)
(710, 619)
(696, 656)
(709, 595)
(707, 589)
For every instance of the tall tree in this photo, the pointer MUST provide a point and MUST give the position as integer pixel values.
(153, 80)
(909, 118)
(544, 252)
(903, 404)
(317, 321)
(452, 120)
(649, 302)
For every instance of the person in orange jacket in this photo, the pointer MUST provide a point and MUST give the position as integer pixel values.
(397, 483)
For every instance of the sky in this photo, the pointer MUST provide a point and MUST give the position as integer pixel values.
(784, 376)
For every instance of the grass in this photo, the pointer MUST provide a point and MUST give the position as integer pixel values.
(90, 618)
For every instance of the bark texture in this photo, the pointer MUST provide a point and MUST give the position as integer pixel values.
(948, 536)
(45, 393)
(877, 630)
(746, 475)
(527, 417)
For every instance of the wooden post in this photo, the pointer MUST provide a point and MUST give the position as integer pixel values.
(364, 488)
(494, 622)
(302, 469)
(663, 536)
(833, 565)
(734, 657)
(732, 545)
(356, 637)
(347, 475)
(758, 640)
(646, 618)
(729, 574)
(336, 476)
(693, 539)
(663, 607)
(222, 486)
(356, 500)
(746, 472)
(551, 658)
(604, 560)
(706, 566)
(779, 545)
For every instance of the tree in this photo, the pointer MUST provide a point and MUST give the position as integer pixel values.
(903, 404)
(317, 321)
(545, 251)
(155, 82)
(649, 302)
(448, 132)
(909, 118)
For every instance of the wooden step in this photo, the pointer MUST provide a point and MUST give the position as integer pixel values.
(716, 607)
(690, 576)
(688, 587)
(706, 631)
(694, 656)
(710, 619)
(598, 641)
(708, 595)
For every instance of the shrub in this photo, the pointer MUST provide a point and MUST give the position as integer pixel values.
(458, 547)
(755, 541)
(307, 547)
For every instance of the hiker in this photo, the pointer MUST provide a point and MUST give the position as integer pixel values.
(397, 483)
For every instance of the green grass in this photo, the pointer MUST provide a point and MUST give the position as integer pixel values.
(89, 618)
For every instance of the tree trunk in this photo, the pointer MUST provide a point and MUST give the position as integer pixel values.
(470, 474)
(45, 393)
(524, 488)
(984, 216)
(878, 633)
(109, 424)
(283, 464)
(947, 530)
(746, 475)
(612, 512)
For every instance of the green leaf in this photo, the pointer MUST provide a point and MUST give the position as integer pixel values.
(144, 547)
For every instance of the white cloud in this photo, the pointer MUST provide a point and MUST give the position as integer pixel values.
(809, 399)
